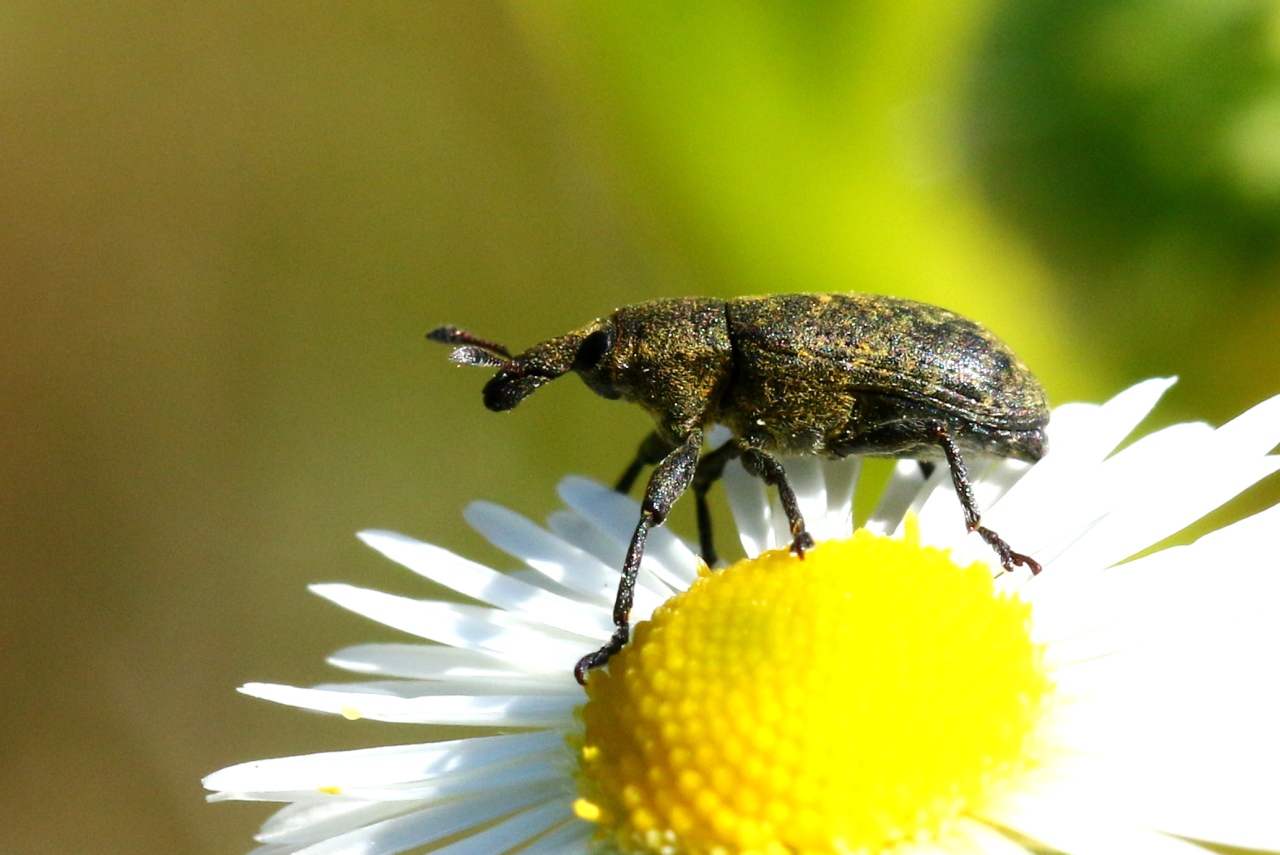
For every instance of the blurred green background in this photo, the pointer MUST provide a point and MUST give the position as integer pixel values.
(224, 229)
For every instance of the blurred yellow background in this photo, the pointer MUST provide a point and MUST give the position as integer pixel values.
(225, 228)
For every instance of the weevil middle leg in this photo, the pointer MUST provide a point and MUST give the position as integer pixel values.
(650, 453)
(767, 468)
(710, 470)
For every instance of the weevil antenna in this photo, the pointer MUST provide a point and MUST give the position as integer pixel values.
(449, 334)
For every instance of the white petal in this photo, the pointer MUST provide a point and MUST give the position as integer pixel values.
(1050, 516)
(1076, 833)
(487, 711)
(1167, 793)
(805, 477)
(938, 508)
(751, 511)
(615, 514)
(384, 765)
(465, 671)
(437, 822)
(304, 822)
(486, 585)
(986, 840)
(425, 662)
(1049, 506)
(842, 483)
(899, 493)
(1168, 512)
(473, 627)
(1244, 817)
(1109, 424)
(572, 838)
(574, 529)
(511, 832)
(1255, 430)
(1148, 509)
(1182, 728)
(540, 772)
(560, 561)
(555, 683)
(1241, 544)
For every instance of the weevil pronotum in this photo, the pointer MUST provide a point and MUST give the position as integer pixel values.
(792, 374)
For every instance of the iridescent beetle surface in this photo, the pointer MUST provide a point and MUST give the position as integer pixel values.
(793, 374)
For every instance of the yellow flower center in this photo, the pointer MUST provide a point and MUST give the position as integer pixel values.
(863, 696)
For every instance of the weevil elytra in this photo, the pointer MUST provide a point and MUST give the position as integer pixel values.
(793, 374)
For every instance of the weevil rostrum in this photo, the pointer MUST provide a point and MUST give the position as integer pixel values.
(792, 374)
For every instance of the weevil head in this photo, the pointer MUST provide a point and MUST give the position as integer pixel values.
(584, 350)
(672, 357)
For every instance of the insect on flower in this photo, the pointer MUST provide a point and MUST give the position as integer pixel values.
(793, 374)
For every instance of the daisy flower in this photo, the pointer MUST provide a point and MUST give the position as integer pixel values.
(889, 692)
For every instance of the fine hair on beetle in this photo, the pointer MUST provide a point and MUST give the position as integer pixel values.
(790, 374)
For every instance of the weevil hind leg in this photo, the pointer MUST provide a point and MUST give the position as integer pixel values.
(972, 519)
(670, 478)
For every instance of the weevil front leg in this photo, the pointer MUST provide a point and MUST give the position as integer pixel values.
(710, 470)
(670, 478)
(766, 467)
(973, 522)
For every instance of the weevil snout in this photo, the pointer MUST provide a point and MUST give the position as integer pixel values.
(510, 386)
(520, 376)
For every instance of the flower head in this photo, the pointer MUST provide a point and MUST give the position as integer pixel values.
(889, 691)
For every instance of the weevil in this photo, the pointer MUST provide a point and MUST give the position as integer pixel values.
(793, 374)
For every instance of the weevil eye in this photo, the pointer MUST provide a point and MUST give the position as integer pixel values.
(591, 366)
(592, 350)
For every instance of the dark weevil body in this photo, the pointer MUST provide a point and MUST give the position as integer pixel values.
(830, 374)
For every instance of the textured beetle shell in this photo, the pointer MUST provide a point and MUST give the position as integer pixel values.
(833, 374)
(814, 354)
(825, 374)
